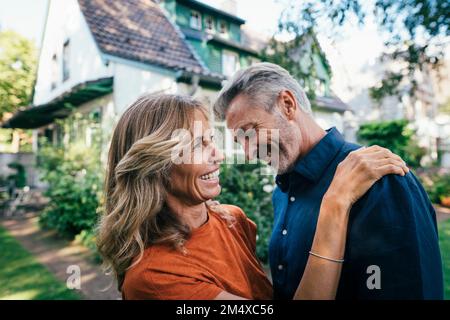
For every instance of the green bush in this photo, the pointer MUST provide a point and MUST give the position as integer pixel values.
(438, 187)
(74, 188)
(244, 186)
(394, 135)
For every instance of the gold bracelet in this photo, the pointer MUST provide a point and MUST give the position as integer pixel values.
(326, 258)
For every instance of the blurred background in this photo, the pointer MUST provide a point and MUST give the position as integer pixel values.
(377, 70)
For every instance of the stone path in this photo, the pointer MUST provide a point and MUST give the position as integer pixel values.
(442, 213)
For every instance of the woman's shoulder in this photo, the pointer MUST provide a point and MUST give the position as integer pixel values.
(240, 218)
(233, 210)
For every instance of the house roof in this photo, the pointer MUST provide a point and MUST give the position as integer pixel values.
(331, 103)
(139, 30)
(38, 116)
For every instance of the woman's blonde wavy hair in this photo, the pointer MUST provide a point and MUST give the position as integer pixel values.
(137, 180)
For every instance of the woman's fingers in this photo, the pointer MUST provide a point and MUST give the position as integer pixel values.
(390, 169)
(385, 161)
(380, 153)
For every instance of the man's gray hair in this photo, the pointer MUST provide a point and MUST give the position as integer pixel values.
(261, 82)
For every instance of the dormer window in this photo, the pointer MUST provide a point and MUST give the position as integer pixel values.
(196, 20)
(223, 27)
(209, 23)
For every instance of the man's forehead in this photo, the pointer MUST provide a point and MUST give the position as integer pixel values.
(239, 118)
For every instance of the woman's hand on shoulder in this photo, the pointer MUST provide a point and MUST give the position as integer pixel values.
(359, 171)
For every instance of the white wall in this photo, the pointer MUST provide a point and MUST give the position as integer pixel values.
(66, 21)
(329, 119)
(132, 81)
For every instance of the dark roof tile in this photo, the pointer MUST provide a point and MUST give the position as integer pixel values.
(139, 30)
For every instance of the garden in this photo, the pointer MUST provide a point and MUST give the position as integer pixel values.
(74, 177)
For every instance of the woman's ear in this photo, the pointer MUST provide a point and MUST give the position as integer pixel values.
(288, 104)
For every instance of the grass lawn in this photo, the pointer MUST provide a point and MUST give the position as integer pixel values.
(444, 240)
(23, 278)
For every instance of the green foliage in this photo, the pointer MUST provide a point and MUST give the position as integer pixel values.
(395, 136)
(438, 187)
(87, 238)
(20, 177)
(414, 29)
(243, 185)
(74, 176)
(388, 87)
(74, 190)
(17, 71)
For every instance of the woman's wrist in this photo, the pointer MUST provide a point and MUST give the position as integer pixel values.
(337, 203)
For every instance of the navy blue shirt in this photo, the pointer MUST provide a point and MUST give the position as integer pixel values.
(393, 227)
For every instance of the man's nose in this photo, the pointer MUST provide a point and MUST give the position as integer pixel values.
(250, 151)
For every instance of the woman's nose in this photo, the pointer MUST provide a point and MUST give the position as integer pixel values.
(217, 155)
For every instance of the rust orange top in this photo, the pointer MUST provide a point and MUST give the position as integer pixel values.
(217, 258)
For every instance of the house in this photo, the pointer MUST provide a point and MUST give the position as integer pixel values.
(432, 126)
(98, 56)
(328, 109)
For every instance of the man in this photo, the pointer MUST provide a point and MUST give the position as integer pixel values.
(392, 249)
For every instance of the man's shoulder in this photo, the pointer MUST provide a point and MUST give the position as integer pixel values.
(394, 199)
(348, 147)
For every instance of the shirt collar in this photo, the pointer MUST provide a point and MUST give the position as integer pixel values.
(314, 163)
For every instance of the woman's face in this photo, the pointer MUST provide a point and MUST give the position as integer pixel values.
(197, 179)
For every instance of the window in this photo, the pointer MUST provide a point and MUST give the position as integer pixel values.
(54, 71)
(196, 20)
(66, 60)
(230, 63)
(223, 27)
(320, 87)
(209, 23)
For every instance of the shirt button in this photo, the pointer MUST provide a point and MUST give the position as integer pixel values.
(280, 267)
(284, 232)
(292, 199)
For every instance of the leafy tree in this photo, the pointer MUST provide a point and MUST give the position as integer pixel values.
(17, 71)
(415, 30)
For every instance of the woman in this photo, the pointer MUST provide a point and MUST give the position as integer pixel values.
(165, 239)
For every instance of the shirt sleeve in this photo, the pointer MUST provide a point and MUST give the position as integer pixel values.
(392, 248)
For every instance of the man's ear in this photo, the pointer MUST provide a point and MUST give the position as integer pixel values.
(287, 104)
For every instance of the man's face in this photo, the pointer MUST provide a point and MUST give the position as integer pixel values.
(244, 114)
